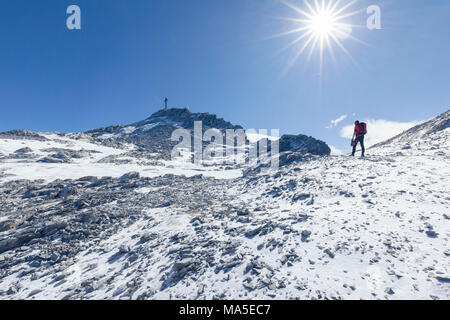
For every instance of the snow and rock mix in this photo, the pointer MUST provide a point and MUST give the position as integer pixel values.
(131, 224)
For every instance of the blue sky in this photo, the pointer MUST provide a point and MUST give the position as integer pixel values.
(215, 56)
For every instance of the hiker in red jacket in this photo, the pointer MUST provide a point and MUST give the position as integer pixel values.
(358, 136)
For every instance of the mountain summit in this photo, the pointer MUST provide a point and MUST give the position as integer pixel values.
(153, 134)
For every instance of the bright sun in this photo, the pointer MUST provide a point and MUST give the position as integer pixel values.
(320, 25)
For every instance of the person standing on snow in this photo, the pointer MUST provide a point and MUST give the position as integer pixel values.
(358, 136)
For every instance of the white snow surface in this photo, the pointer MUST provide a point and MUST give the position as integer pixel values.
(90, 166)
(368, 221)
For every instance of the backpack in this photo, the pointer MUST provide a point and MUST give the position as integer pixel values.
(364, 126)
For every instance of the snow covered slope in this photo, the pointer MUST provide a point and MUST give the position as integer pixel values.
(320, 227)
(434, 128)
(72, 156)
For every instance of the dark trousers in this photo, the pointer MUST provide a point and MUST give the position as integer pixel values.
(361, 142)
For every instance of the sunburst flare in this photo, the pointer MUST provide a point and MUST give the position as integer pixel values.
(320, 26)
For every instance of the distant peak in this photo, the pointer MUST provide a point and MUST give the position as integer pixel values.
(186, 118)
(172, 112)
(423, 130)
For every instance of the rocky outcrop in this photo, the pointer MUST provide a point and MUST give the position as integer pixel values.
(22, 134)
(303, 144)
(186, 119)
(154, 133)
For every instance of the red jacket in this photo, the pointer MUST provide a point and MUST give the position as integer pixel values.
(359, 130)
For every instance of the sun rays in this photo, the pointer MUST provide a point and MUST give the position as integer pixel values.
(319, 28)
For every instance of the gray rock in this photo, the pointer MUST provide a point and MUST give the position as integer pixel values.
(301, 197)
(305, 235)
(69, 190)
(34, 292)
(54, 257)
(23, 150)
(53, 228)
(329, 253)
(303, 144)
(35, 263)
(21, 135)
(17, 241)
(243, 212)
(432, 234)
(53, 160)
(88, 179)
(147, 236)
(11, 291)
(133, 257)
(181, 268)
(389, 291)
(443, 279)
(130, 176)
(6, 225)
(124, 249)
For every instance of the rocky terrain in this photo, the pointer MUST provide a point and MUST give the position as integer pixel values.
(106, 215)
